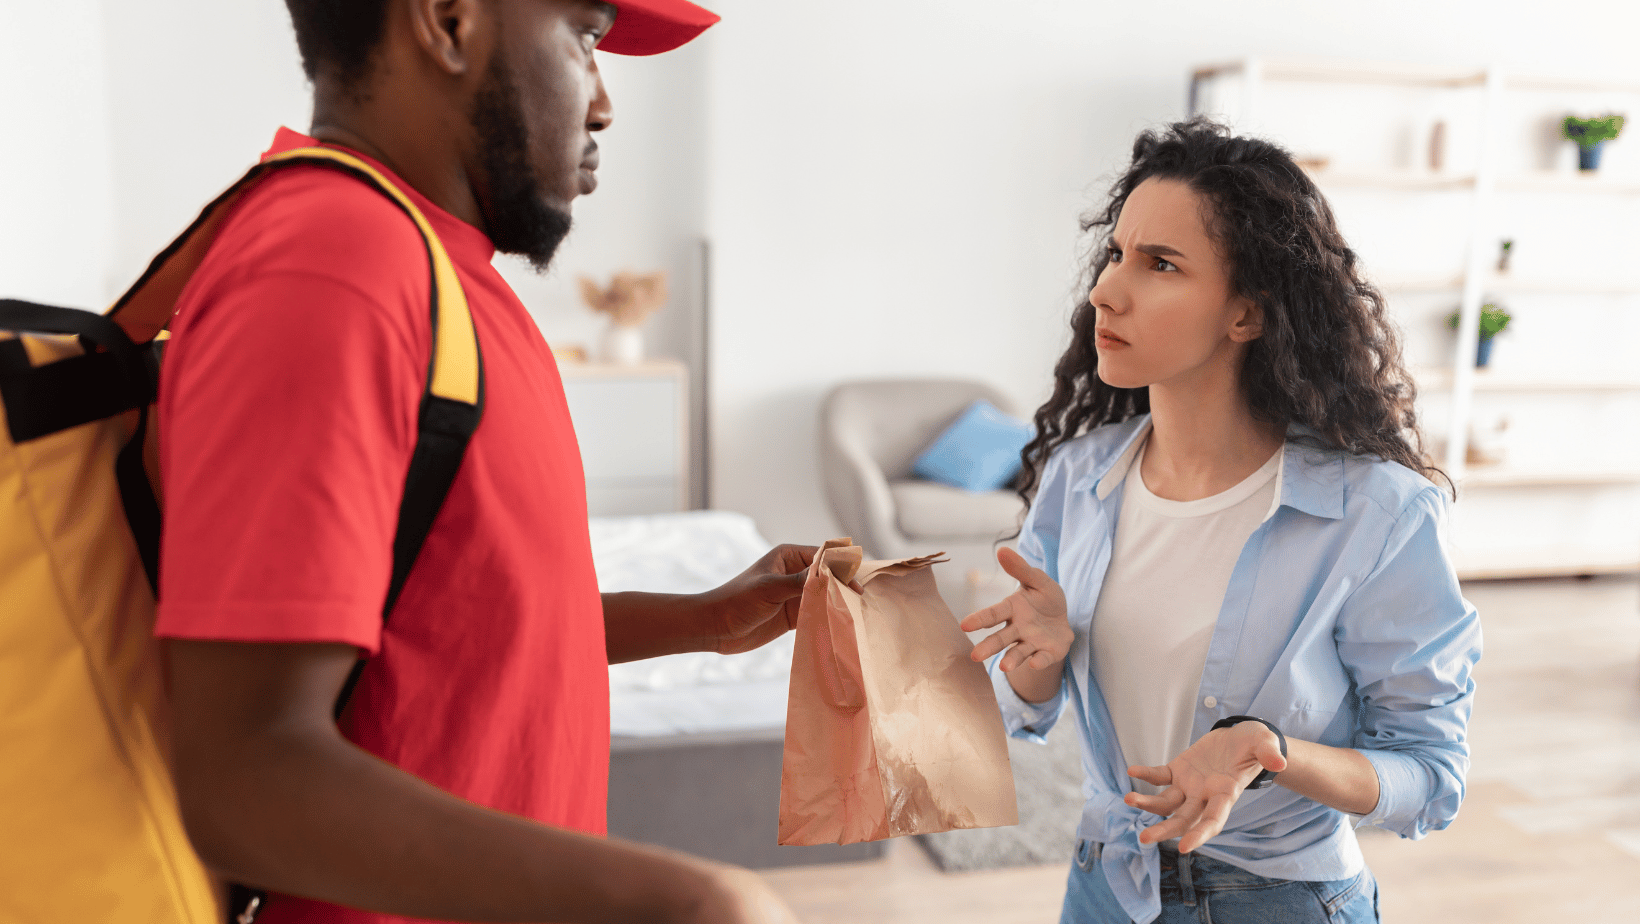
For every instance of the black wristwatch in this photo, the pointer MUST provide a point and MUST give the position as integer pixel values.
(1265, 777)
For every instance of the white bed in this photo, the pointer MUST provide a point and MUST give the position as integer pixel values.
(696, 739)
(700, 691)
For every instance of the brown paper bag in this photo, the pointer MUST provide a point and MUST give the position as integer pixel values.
(890, 728)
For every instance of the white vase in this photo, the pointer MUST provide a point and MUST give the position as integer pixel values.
(623, 345)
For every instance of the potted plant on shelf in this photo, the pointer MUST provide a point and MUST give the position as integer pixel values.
(1493, 320)
(1591, 134)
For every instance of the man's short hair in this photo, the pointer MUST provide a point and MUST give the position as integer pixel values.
(337, 37)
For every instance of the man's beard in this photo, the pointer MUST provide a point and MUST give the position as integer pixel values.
(515, 217)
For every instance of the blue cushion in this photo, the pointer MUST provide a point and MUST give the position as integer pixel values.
(979, 452)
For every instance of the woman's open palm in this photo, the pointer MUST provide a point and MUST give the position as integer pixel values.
(1035, 630)
(1204, 782)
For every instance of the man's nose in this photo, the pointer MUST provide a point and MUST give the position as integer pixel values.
(601, 112)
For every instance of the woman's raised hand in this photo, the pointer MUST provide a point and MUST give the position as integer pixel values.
(1204, 782)
(1035, 630)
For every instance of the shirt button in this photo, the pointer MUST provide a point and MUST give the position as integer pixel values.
(1210, 702)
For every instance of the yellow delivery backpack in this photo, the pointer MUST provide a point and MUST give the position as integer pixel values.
(89, 826)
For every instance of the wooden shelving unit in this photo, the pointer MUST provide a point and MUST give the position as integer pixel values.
(1413, 180)
(1512, 285)
(1569, 84)
(1546, 182)
(1329, 71)
(1534, 561)
(1440, 378)
(1484, 189)
(1509, 286)
(1504, 476)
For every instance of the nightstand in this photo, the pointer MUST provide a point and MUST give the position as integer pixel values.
(632, 422)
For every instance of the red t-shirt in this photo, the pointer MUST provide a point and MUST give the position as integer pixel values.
(287, 417)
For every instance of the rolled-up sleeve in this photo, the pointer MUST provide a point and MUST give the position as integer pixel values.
(1025, 720)
(1411, 642)
(1039, 546)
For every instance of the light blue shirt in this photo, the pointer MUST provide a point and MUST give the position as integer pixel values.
(1342, 624)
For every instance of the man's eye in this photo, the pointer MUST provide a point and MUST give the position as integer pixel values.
(1165, 266)
(1114, 253)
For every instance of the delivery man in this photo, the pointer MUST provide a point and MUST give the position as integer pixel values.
(466, 780)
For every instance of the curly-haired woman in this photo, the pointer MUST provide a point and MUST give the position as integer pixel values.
(1232, 567)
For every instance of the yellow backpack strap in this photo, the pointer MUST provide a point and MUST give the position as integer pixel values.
(455, 373)
(453, 399)
(146, 308)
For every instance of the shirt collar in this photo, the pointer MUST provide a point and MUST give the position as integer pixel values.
(1310, 479)
(456, 235)
(1117, 470)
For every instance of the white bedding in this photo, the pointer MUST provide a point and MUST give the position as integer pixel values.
(699, 691)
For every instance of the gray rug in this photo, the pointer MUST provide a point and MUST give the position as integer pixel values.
(1048, 780)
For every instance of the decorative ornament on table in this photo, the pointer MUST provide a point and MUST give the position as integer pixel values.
(629, 300)
(1591, 135)
(1437, 146)
(1488, 442)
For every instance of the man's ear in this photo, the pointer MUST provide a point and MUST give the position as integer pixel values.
(1248, 324)
(446, 30)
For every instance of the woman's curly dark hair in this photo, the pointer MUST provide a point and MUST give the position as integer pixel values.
(1328, 357)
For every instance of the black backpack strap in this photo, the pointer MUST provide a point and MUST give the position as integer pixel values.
(67, 393)
(444, 429)
(72, 391)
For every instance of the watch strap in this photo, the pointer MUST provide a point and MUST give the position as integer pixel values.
(1265, 777)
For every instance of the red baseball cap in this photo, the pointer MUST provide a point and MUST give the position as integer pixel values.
(649, 27)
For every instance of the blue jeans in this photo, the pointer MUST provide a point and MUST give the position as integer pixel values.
(1201, 890)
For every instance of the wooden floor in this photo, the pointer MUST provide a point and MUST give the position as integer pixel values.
(1550, 830)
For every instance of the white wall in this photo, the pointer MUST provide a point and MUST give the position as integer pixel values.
(195, 92)
(112, 148)
(894, 187)
(126, 142)
(56, 185)
(891, 187)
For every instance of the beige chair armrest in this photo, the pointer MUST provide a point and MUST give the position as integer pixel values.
(858, 492)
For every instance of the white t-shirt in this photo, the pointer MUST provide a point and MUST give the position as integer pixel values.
(1154, 621)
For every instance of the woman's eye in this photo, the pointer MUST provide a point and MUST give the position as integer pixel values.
(1165, 266)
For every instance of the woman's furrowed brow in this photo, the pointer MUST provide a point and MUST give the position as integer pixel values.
(1158, 250)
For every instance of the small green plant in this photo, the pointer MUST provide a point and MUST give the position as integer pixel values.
(1493, 320)
(1592, 130)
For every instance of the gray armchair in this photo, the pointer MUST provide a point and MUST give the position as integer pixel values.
(870, 433)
